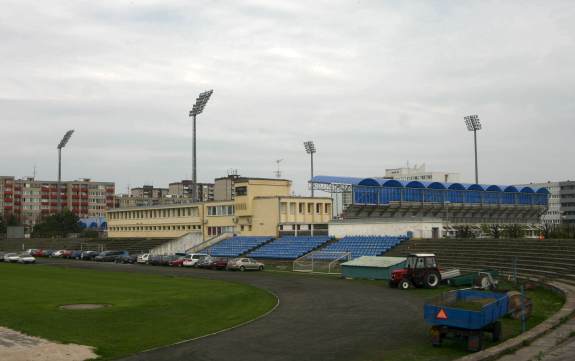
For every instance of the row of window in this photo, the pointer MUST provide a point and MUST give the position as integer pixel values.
(319, 208)
(226, 210)
(216, 231)
(179, 227)
(156, 213)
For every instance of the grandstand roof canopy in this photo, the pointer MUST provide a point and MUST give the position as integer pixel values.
(384, 182)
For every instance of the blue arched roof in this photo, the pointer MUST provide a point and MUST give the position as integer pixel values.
(494, 188)
(437, 185)
(527, 190)
(511, 189)
(542, 191)
(456, 186)
(415, 184)
(369, 182)
(475, 187)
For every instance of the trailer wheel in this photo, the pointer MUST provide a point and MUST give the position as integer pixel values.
(475, 342)
(496, 331)
(404, 284)
(432, 279)
(436, 336)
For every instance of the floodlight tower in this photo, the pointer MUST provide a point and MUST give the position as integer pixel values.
(198, 108)
(473, 125)
(310, 149)
(61, 145)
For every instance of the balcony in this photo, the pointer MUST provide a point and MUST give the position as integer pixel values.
(7, 200)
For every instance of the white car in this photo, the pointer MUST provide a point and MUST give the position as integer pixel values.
(11, 257)
(191, 260)
(58, 253)
(143, 258)
(25, 258)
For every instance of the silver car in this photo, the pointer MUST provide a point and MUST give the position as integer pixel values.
(244, 264)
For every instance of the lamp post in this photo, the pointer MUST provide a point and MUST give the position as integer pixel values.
(61, 145)
(310, 149)
(198, 108)
(473, 125)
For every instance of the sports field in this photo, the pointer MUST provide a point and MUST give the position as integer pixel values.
(146, 311)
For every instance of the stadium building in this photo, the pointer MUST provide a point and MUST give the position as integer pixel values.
(258, 207)
(429, 209)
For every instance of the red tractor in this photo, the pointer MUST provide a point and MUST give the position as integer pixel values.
(420, 271)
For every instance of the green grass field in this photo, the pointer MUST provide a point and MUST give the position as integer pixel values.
(147, 311)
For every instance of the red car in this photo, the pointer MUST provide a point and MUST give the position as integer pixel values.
(178, 262)
(219, 263)
(37, 253)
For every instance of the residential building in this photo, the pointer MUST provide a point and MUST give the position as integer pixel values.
(148, 191)
(561, 202)
(419, 173)
(30, 200)
(185, 189)
(260, 207)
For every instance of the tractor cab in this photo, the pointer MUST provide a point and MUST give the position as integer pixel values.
(420, 271)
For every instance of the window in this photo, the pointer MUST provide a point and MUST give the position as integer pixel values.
(310, 208)
(327, 208)
(318, 208)
(241, 191)
(283, 208)
(292, 208)
(301, 208)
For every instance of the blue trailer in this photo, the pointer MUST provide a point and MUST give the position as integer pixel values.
(447, 317)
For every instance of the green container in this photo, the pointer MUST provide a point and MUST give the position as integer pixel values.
(469, 278)
(372, 268)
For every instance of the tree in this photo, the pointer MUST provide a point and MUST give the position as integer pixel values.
(464, 232)
(514, 231)
(59, 224)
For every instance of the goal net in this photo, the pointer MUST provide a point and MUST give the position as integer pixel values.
(321, 262)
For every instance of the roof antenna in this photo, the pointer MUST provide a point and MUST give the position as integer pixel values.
(278, 172)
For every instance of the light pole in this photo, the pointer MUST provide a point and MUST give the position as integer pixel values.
(473, 125)
(62, 144)
(198, 108)
(310, 149)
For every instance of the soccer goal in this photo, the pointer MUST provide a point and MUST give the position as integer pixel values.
(321, 262)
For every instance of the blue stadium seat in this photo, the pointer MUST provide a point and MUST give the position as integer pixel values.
(290, 247)
(236, 246)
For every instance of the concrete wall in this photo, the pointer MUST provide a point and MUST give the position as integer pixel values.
(420, 229)
(181, 244)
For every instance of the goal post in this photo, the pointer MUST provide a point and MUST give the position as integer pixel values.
(321, 262)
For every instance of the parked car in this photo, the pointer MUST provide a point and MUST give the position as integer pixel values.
(2, 256)
(37, 253)
(193, 259)
(109, 256)
(89, 255)
(11, 257)
(75, 254)
(58, 253)
(126, 258)
(244, 264)
(25, 258)
(177, 261)
(205, 262)
(30, 251)
(155, 260)
(47, 252)
(143, 258)
(219, 263)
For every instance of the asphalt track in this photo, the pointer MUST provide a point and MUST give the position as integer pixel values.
(319, 318)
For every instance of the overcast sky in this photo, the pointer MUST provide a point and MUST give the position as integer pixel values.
(374, 83)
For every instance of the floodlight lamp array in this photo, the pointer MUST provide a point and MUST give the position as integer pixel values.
(201, 102)
(472, 122)
(65, 139)
(309, 147)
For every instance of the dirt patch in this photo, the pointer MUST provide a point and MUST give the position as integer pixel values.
(84, 306)
(16, 346)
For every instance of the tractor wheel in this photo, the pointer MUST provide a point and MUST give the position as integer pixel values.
(475, 342)
(496, 332)
(432, 279)
(404, 284)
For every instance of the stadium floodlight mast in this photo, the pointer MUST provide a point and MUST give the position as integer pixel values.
(310, 149)
(473, 125)
(61, 145)
(198, 108)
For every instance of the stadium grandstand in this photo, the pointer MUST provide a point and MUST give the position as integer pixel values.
(434, 205)
(289, 247)
(358, 246)
(236, 246)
